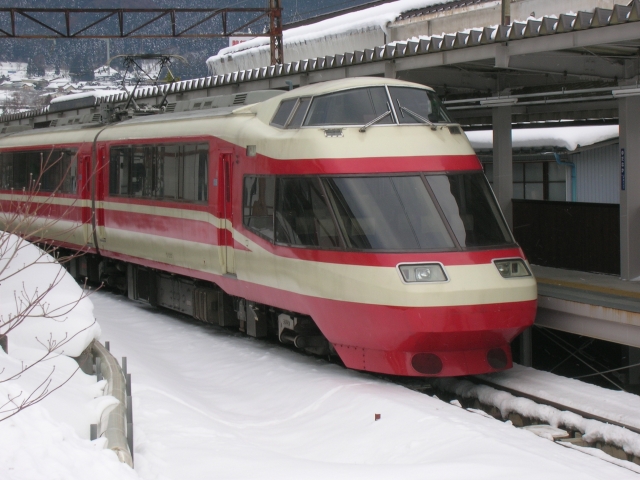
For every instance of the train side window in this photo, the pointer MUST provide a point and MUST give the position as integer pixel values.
(257, 210)
(163, 172)
(303, 216)
(38, 171)
(168, 172)
(58, 171)
(284, 112)
(119, 168)
(195, 172)
(6, 171)
(139, 182)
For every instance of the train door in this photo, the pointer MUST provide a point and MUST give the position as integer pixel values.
(225, 239)
(102, 167)
(84, 186)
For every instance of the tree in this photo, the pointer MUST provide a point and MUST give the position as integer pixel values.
(36, 293)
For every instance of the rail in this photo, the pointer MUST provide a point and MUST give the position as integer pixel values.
(583, 429)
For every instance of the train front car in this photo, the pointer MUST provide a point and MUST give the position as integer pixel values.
(366, 208)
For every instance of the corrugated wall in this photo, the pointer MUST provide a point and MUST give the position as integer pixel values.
(598, 174)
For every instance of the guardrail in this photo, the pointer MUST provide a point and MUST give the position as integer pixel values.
(117, 427)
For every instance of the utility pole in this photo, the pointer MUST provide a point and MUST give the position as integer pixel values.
(275, 32)
(506, 12)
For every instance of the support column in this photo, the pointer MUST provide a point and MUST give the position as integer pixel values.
(390, 69)
(628, 108)
(634, 372)
(526, 348)
(503, 160)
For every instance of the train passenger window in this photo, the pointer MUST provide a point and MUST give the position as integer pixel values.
(470, 209)
(258, 203)
(39, 171)
(164, 172)
(119, 166)
(283, 112)
(6, 171)
(195, 173)
(168, 172)
(303, 216)
(412, 103)
(357, 106)
(387, 213)
(140, 167)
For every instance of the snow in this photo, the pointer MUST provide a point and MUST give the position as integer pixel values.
(210, 400)
(618, 406)
(301, 38)
(76, 96)
(213, 402)
(49, 439)
(63, 317)
(378, 16)
(560, 137)
(507, 403)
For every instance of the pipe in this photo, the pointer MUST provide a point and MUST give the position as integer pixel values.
(571, 165)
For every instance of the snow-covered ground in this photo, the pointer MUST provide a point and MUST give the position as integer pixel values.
(208, 403)
(49, 439)
(212, 403)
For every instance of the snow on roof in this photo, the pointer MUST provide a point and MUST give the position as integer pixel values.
(560, 137)
(75, 96)
(370, 17)
(360, 21)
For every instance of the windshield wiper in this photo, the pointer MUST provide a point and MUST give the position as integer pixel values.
(416, 116)
(374, 121)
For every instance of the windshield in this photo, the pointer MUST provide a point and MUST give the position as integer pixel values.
(470, 208)
(413, 103)
(387, 213)
(349, 107)
(413, 212)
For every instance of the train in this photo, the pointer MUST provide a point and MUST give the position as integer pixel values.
(348, 218)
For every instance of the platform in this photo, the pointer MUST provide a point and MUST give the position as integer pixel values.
(589, 304)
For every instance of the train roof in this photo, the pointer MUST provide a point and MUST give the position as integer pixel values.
(245, 125)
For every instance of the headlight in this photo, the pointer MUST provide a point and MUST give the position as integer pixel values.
(512, 267)
(425, 272)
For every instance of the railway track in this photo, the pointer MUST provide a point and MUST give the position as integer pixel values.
(569, 427)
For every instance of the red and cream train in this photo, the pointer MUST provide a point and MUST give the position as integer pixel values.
(349, 217)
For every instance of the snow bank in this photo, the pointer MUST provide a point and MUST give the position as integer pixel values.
(58, 314)
(46, 403)
(558, 137)
(34, 446)
(55, 431)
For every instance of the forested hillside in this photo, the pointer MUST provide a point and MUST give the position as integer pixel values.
(87, 54)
